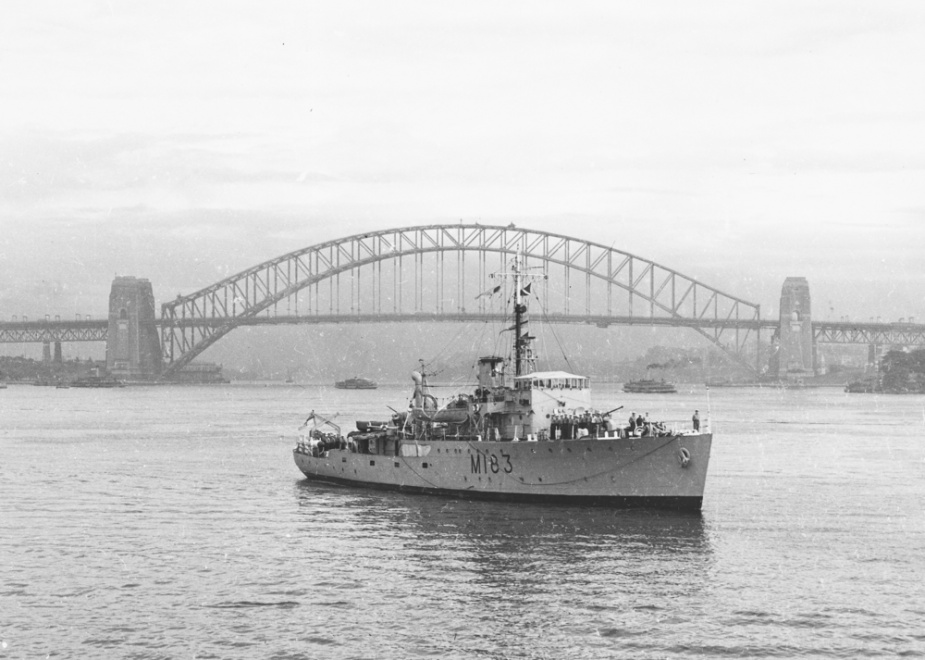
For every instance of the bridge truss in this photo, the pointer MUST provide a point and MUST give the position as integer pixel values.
(443, 272)
(53, 331)
(877, 334)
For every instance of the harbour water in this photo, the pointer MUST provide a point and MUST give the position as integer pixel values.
(171, 522)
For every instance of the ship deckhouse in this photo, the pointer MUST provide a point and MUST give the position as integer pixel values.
(531, 406)
(553, 398)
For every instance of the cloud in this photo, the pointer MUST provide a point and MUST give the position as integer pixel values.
(737, 144)
(81, 171)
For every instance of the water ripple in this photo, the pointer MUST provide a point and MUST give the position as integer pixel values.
(284, 604)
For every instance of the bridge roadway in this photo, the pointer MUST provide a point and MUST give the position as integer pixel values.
(20, 332)
(827, 332)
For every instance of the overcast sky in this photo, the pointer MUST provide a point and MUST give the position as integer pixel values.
(736, 142)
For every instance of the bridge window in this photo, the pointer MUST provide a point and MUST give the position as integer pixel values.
(123, 313)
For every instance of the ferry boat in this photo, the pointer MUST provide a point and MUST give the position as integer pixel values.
(521, 435)
(97, 381)
(649, 386)
(355, 384)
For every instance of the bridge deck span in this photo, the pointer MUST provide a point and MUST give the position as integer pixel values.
(837, 332)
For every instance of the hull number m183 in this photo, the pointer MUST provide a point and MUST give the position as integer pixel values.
(485, 463)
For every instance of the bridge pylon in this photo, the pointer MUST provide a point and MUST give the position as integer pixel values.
(133, 348)
(795, 355)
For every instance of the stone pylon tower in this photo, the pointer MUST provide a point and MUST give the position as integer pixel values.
(796, 354)
(133, 348)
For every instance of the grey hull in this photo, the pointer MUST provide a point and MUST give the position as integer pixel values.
(663, 472)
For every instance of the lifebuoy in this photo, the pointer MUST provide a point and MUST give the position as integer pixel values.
(684, 457)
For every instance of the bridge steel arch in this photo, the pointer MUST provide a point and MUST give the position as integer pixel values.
(421, 273)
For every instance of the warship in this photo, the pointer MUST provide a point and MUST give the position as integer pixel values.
(522, 435)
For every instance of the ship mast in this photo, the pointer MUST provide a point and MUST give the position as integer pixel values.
(520, 320)
(524, 357)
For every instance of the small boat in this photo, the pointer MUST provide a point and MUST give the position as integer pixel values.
(97, 381)
(356, 384)
(649, 386)
(868, 386)
(522, 435)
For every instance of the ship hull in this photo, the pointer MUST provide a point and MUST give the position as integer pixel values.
(655, 472)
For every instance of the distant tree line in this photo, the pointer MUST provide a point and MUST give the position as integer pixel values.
(902, 372)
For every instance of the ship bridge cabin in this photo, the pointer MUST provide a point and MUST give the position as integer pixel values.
(549, 390)
(551, 380)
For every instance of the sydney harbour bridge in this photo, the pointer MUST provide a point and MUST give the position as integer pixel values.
(444, 273)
